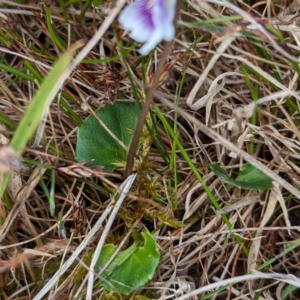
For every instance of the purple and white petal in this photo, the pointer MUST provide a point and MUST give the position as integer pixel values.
(137, 18)
(156, 37)
(170, 7)
(149, 22)
(163, 15)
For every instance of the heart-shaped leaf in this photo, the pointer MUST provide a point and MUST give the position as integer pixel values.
(94, 142)
(130, 269)
(249, 178)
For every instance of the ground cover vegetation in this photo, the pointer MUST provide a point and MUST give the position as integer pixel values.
(163, 174)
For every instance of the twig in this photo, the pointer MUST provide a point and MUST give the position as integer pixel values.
(146, 106)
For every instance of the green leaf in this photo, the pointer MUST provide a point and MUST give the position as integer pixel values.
(222, 174)
(130, 269)
(249, 178)
(107, 251)
(95, 143)
(288, 291)
(252, 176)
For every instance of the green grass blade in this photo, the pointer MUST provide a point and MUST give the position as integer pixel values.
(62, 45)
(40, 103)
(198, 176)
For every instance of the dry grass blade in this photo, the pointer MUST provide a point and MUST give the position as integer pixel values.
(124, 189)
(190, 100)
(21, 199)
(257, 275)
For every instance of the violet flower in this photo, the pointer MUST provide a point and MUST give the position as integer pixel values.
(149, 22)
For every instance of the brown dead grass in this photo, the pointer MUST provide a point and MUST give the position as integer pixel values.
(203, 251)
